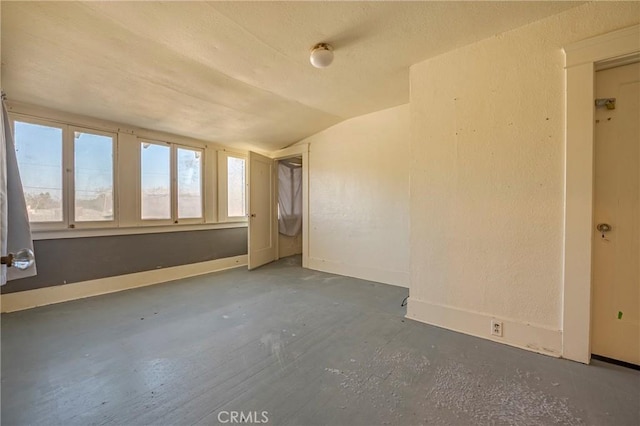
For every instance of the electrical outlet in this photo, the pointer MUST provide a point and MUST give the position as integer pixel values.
(496, 328)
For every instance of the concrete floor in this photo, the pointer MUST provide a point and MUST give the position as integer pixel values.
(306, 347)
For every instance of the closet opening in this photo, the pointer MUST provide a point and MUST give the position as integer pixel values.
(290, 202)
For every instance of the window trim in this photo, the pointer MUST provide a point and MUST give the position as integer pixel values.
(59, 234)
(223, 178)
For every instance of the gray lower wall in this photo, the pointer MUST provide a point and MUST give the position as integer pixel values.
(71, 260)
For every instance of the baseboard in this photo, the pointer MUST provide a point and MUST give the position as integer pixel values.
(21, 300)
(397, 278)
(531, 337)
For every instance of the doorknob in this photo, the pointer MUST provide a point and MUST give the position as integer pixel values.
(603, 227)
(253, 215)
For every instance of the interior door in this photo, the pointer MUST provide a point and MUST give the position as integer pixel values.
(616, 255)
(262, 229)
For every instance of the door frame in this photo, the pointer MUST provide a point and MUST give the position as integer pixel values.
(581, 61)
(301, 150)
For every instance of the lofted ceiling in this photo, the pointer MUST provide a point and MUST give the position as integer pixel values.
(237, 73)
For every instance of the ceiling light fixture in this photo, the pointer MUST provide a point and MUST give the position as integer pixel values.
(321, 55)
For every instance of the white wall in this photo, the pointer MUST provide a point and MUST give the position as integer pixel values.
(487, 150)
(359, 197)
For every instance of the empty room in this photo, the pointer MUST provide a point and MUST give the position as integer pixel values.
(320, 213)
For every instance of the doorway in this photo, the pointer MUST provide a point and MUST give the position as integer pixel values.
(296, 156)
(615, 311)
(289, 204)
(263, 198)
(581, 60)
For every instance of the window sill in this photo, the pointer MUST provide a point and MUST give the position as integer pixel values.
(58, 234)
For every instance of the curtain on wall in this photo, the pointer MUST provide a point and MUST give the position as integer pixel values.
(289, 198)
(14, 221)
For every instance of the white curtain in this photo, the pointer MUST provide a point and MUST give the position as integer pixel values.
(14, 221)
(289, 198)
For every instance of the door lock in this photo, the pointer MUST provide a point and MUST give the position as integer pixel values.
(603, 227)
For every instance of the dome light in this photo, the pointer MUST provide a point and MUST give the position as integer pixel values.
(321, 55)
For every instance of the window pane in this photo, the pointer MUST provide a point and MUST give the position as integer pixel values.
(39, 153)
(93, 182)
(236, 187)
(155, 181)
(189, 183)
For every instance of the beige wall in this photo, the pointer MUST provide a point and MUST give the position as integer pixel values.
(359, 197)
(487, 171)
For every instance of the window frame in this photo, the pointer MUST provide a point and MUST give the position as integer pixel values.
(73, 223)
(173, 186)
(223, 179)
(68, 174)
(64, 223)
(154, 222)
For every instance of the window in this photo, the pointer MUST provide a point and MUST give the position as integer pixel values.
(171, 182)
(39, 154)
(232, 187)
(67, 174)
(189, 183)
(155, 181)
(93, 177)
(236, 187)
(78, 177)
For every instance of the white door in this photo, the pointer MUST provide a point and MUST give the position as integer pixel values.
(616, 254)
(262, 229)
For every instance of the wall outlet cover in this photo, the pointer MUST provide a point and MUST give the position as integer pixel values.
(496, 328)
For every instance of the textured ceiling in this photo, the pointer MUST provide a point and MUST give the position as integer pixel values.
(237, 73)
